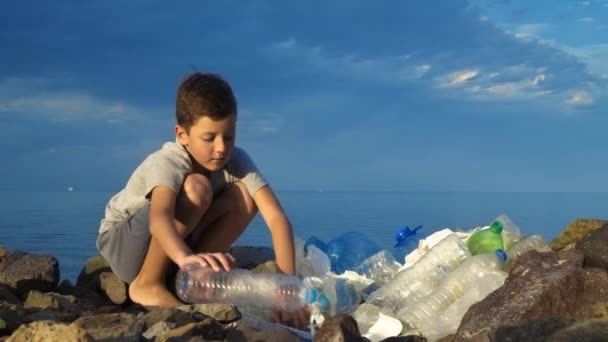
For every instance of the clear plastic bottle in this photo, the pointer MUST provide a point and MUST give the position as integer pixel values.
(406, 241)
(423, 310)
(487, 240)
(532, 242)
(510, 231)
(339, 296)
(197, 284)
(421, 278)
(346, 251)
(380, 267)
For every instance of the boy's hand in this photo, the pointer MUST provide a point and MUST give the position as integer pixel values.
(217, 261)
(298, 319)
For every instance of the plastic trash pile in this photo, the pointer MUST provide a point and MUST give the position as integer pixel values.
(421, 286)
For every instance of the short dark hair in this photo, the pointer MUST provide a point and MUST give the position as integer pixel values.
(201, 95)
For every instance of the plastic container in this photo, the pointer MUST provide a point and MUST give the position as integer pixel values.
(376, 324)
(240, 287)
(421, 278)
(424, 310)
(346, 251)
(339, 296)
(487, 240)
(510, 231)
(406, 242)
(380, 267)
(532, 242)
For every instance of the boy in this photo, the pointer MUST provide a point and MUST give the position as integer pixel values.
(190, 200)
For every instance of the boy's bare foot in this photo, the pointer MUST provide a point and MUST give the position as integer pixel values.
(152, 295)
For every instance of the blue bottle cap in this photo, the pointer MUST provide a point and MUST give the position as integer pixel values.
(324, 302)
(501, 255)
(403, 234)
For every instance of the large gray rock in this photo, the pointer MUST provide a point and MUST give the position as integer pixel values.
(595, 248)
(23, 272)
(541, 286)
(12, 317)
(575, 231)
(49, 331)
(51, 300)
(7, 296)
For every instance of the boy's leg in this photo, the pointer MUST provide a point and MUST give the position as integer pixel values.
(192, 202)
(225, 220)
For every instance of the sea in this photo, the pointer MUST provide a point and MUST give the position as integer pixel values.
(65, 224)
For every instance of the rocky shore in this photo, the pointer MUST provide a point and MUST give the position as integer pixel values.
(554, 296)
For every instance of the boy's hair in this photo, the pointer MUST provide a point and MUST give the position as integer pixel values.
(203, 95)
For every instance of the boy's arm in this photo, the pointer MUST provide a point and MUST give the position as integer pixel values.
(280, 228)
(162, 224)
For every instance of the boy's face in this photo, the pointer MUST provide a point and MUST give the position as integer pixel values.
(210, 141)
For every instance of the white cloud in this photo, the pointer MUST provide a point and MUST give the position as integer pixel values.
(586, 20)
(584, 3)
(579, 98)
(37, 98)
(393, 69)
(457, 78)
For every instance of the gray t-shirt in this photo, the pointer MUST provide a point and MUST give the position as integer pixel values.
(169, 166)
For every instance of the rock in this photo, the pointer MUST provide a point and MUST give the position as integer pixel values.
(595, 248)
(51, 300)
(115, 289)
(98, 276)
(409, 338)
(249, 257)
(247, 333)
(23, 272)
(111, 327)
(94, 266)
(51, 315)
(171, 315)
(541, 285)
(533, 330)
(339, 328)
(589, 330)
(224, 313)
(158, 329)
(269, 266)
(575, 231)
(49, 331)
(2, 253)
(12, 316)
(7, 296)
(89, 299)
(207, 329)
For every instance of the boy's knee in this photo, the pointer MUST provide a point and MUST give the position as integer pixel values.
(197, 188)
(249, 206)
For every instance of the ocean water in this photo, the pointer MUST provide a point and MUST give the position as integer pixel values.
(65, 224)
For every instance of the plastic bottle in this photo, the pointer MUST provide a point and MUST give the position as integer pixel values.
(406, 242)
(510, 231)
(380, 267)
(532, 242)
(199, 284)
(339, 295)
(424, 310)
(346, 251)
(487, 240)
(421, 278)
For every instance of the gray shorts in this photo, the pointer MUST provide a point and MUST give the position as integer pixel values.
(125, 245)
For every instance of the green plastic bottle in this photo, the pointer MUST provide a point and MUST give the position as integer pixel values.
(487, 240)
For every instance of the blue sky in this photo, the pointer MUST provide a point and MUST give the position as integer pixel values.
(427, 95)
